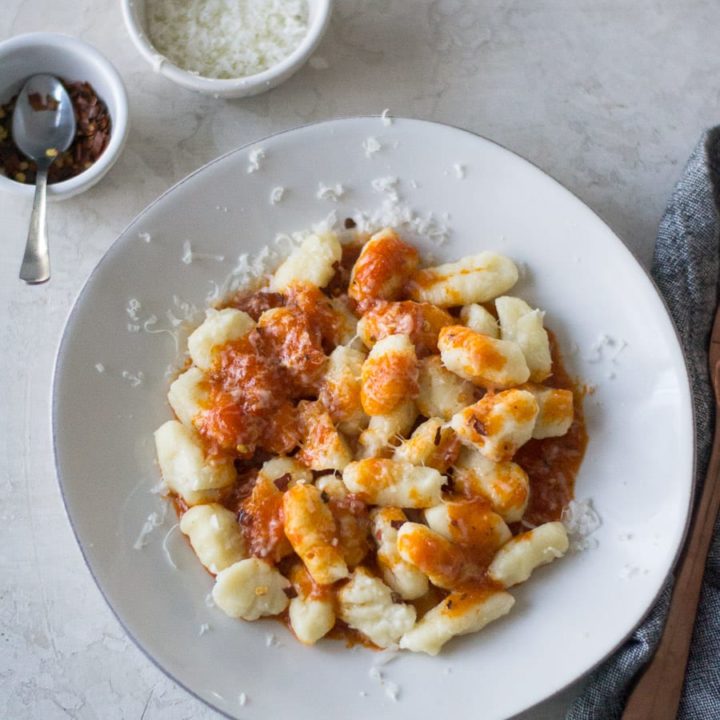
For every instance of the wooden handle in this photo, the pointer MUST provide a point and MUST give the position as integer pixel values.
(656, 696)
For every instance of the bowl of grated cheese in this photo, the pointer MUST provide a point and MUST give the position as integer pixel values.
(227, 48)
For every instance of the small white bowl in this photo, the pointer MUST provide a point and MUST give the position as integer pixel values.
(318, 17)
(73, 60)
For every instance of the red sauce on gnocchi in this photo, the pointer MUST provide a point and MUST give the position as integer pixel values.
(268, 407)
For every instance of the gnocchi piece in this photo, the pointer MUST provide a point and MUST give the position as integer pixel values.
(389, 482)
(504, 484)
(262, 518)
(459, 613)
(384, 431)
(285, 472)
(477, 318)
(389, 375)
(516, 560)
(443, 562)
(340, 391)
(288, 336)
(250, 589)
(332, 486)
(556, 410)
(498, 424)
(218, 328)
(346, 323)
(215, 536)
(421, 322)
(366, 604)
(403, 578)
(521, 324)
(312, 262)
(189, 395)
(311, 530)
(433, 444)
(183, 464)
(324, 448)
(482, 360)
(473, 279)
(471, 523)
(441, 393)
(382, 269)
(312, 614)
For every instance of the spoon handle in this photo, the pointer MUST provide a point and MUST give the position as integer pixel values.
(36, 263)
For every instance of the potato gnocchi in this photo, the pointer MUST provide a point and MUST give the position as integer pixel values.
(369, 448)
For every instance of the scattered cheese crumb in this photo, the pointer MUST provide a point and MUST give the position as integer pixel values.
(459, 170)
(255, 159)
(209, 602)
(276, 194)
(153, 520)
(165, 548)
(135, 379)
(100, 367)
(330, 192)
(145, 236)
(187, 256)
(270, 640)
(581, 520)
(203, 629)
(629, 571)
(362, 693)
(319, 63)
(371, 146)
(226, 38)
(242, 699)
(385, 117)
(392, 690)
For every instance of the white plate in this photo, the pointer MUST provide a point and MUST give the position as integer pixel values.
(638, 467)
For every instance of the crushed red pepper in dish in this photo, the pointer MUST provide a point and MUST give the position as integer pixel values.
(92, 136)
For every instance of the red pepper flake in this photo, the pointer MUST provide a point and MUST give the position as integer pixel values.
(92, 135)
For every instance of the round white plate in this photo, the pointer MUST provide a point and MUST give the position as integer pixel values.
(638, 467)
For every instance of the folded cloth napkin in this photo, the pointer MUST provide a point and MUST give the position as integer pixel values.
(685, 268)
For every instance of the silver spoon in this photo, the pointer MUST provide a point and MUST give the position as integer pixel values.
(43, 126)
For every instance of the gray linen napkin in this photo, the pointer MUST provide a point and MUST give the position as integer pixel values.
(685, 268)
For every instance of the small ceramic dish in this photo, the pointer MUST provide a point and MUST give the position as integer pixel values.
(318, 17)
(74, 60)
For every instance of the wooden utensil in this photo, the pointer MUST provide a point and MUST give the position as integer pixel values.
(656, 696)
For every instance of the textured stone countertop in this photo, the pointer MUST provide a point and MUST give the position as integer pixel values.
(608, 96)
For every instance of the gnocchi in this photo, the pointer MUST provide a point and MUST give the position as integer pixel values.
(185, 468)
(521, 324)
(366, 604)
(441, 393)
(517, 559)
(498, 424)
(392, 482)
(482, 360)
(215, 536)
(218, 328)
(355, 440)
(389, 375)
(250, 589)
(313, 263)
(474, 279)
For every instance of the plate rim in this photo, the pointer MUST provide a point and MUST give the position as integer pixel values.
(686, 386)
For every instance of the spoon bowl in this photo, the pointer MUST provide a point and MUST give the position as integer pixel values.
(43, 126)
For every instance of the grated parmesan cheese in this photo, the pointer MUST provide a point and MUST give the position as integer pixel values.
(371, 146)
(242, 699)
(385, 117)
(135, 379)
(255, 158)
(226, 38)
(581, 520)
(277, 194)
(330, 192)
(100, 367)
(145, 236)
(204, 628)
(459, 171)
